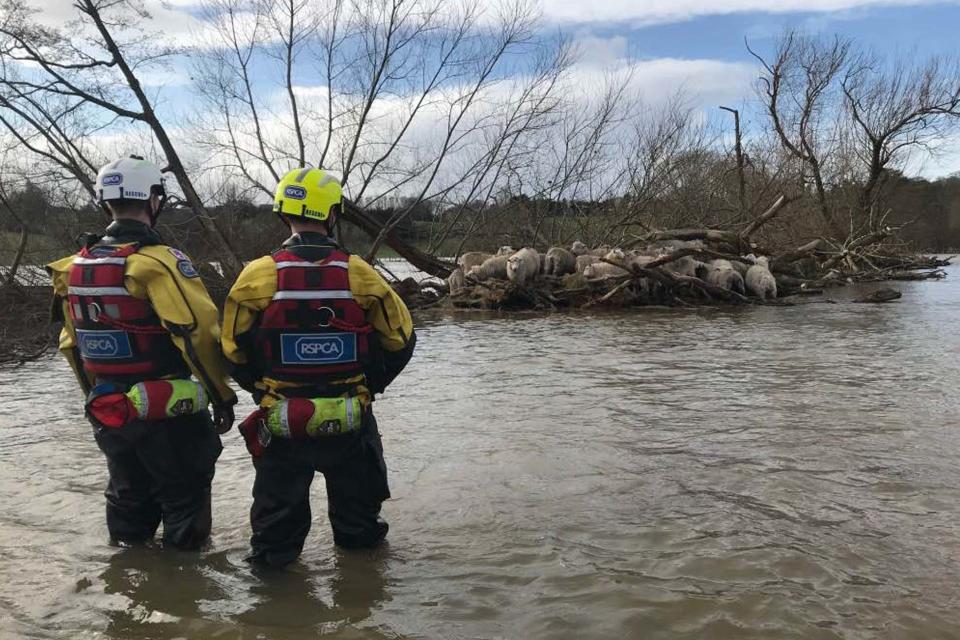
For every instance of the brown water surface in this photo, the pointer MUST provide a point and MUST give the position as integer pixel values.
(752, 473)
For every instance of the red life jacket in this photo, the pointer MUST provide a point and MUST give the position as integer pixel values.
(120, 337)
(313, 331)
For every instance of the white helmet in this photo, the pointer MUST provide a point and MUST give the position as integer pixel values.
(130, 178)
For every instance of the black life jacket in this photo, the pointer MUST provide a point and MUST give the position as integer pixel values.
(120, 337)
(313, 331)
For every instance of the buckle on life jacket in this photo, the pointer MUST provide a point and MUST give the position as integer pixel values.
(116, 405)
(301, 418)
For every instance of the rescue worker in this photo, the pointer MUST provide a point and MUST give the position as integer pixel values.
(314, 333)
(142, 337)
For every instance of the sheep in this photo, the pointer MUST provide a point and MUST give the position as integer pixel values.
(728, 278)
(471, 259)
(600, 251)
(559, 261)
(492, 267)
(586, 260)
(640, 259)
(616, 254)
(579, 249)
(505, 250)
(456, 281)
(740, 267)
(759, 281)
(603, 270)
(685, 266)
(720, 263)
(523, 266)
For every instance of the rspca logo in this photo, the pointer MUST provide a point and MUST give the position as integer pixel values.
(295, 193)
(315, 349)
(318, 348)
(187, 269)
(104, 345)
(112, 179)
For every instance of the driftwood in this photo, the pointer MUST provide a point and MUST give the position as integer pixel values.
(806, 270)
(725, 240)
(864, 241)
(804, 251)
(764, 218)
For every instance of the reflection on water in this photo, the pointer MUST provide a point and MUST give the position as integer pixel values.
(754, 473)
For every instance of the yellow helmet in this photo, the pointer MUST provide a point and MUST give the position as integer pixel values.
(307, 192)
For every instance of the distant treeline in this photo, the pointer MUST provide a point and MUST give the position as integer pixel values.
(927, 214)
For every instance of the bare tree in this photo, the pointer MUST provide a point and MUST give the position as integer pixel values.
(93, 64)
(406, 86)
(897, 109)
(798, 87)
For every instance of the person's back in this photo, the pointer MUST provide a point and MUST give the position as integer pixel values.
(314, 333)
(141, 334)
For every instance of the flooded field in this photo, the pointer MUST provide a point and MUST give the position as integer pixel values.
(740, 473)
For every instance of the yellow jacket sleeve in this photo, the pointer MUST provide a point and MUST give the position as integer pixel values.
(385, 309)
(60, 274)
(169, 281)
(248, 296)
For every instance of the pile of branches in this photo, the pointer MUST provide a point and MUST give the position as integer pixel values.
(653, 284)
(804, 270)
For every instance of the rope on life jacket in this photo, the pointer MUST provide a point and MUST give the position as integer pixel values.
(337, 323)
(126, 326)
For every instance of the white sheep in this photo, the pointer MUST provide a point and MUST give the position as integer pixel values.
(720, 263)
(616, 254)
(471, 259)
(600, 251)
(505, 250)
(523, 266)
(579, 249)
(603, 270)
(492, 267)
(759, 281)
(456, 281)
(727, 278)
(585, 261)
(685, 266)
(740, 267)
(559, 261)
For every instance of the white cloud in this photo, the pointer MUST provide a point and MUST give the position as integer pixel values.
(594, 50)
(707, 82)
(175, 18)
(664, 11)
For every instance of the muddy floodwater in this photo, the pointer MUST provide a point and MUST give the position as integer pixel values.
(749, 473)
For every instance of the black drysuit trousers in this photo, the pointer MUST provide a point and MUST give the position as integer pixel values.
(160, 471)
(356, 479)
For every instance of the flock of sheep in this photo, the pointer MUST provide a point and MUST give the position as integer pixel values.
(748, 276)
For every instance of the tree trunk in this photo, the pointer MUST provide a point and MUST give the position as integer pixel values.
(373, 227)
(18, 258)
